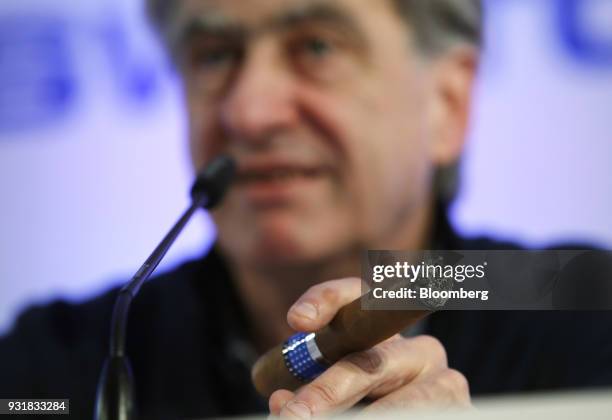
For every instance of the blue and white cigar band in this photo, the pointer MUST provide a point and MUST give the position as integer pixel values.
(303, 358)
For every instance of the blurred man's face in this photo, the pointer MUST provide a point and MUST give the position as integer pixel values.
(330, 113)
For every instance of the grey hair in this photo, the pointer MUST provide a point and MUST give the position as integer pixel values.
(437, 26)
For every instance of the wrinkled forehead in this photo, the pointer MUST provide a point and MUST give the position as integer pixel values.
(244, 12)
(251, 16)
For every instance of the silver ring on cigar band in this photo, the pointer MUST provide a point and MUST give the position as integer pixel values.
(303, 358)
(313, 349)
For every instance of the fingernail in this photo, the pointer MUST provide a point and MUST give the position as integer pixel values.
(305, 310)
(297, 410)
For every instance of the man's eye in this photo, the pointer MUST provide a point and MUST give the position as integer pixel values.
(210, 58)
(320, 56)
(209, 68)
(318, 46)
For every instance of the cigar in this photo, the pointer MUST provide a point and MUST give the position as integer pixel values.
(305, 356)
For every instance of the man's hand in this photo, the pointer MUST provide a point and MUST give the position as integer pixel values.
(397, 373)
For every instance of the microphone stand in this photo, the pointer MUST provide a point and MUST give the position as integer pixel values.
(115, 399)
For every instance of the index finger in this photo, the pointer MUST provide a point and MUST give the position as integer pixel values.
(385, 367)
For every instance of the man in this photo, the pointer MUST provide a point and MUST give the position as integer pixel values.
(346, 118)
(338, 118)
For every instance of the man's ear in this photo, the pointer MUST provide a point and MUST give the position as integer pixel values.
(453, 78)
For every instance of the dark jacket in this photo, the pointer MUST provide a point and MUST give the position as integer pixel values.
(188, 346)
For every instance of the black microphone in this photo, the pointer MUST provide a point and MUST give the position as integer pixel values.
(115, 396)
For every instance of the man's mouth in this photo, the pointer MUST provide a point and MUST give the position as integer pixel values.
(267, 185)
(277, 175)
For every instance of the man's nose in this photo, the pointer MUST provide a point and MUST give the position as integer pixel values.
(261, 100)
